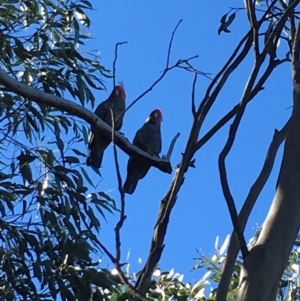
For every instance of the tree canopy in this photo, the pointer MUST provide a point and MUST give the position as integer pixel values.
(51, 209)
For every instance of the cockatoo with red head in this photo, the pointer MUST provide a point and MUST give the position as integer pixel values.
(148, 139)
(97, 141)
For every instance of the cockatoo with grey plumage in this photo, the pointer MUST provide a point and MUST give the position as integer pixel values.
(148, 139)
(97, 141)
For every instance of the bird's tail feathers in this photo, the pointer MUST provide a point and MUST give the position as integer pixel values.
(94, 159)
(129, 186)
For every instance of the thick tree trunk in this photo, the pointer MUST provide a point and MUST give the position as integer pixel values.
(264, 265)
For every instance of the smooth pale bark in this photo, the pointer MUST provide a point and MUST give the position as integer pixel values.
(263, 267)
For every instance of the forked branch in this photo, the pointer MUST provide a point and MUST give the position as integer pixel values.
(277, 140)
(254, 192)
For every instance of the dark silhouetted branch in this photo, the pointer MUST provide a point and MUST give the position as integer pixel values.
(259, 59)
(255, 190)
(81, 112)
(115, 61)
(194, 95)
(233, 249)
(167, 204)
(225, 151)
(295, 56)
(171, 147)
(171, 43)
(178, 64)
(122, 194)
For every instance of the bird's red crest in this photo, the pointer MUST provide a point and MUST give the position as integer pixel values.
(156, 115)
(120, 90)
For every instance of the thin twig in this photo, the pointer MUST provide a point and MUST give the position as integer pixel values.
(115, 62)
(171, 147)
(116, 260)
(122, 218)
(165, 71)
(189, 67)
(178, 64)
(194, 95)
(168, 68)
(171, 42)
(292, 20)
(118, 266)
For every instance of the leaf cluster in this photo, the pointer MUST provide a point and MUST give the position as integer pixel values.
(48, 225)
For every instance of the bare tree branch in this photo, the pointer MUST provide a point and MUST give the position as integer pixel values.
(266, 13)
(295, 57)
(123, 217)
(171, 43)
(194, 94)
(225, 151)
(178, 64)
(255, 190)
(115, 62)
(269, 46)
(281, 225)
(122, 213)
(258, 87)
(259, 59)
(157, 243)
(88, 116)
(171, 147)
(225, 72)
(245, 212)
(167, 204)
(121, 221)
(223, 177)
(292, 20)
(250, 4)
(122, 194)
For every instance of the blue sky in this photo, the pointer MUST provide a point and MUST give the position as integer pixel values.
(200, 213)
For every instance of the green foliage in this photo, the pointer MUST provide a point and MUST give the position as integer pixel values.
(48, 226)
(169, 285)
